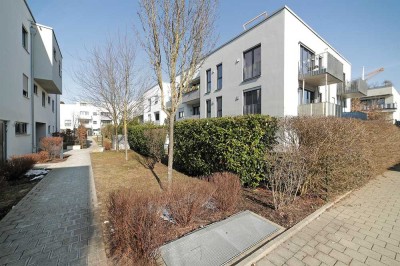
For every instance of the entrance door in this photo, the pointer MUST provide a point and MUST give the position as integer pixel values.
(2, 141)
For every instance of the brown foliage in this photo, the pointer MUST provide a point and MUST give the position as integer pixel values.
(137, 227)
(107, 145)
(341, 154)
(52, 145)
(82, 135)
(43, 156)
(16, 166)
(186, 200)
(228, 190)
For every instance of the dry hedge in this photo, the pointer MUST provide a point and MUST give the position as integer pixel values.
(339, 153)
(228, 190)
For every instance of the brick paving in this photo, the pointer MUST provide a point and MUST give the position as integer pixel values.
(56, 222)
(363, 229)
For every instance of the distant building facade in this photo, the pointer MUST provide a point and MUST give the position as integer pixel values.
(80, 113)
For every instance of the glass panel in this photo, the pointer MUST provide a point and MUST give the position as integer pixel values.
(208, 74)
(248, 62)
(257, 62)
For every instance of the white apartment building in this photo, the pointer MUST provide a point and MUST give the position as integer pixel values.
(152, 111)
(280, 67)
(31, 80)
(92, 117)
(383, 99)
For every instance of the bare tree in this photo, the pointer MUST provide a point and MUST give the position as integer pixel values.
(107, 81)
(177, 36)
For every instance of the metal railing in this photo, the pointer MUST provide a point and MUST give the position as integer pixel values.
(383, 106)
(355, 88)
(321, 64)
(319, 109)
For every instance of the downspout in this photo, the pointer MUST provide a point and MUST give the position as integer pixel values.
(32, 33)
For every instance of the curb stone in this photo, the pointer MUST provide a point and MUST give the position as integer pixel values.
(278, 240)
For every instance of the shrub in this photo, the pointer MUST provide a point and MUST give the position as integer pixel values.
(147, 139)
(17, 166)
(228, 190)
(185, 201)
(107, 145)
(233, 144)
(43, 156)
(138, 229)
(82, 136)
(52, 145)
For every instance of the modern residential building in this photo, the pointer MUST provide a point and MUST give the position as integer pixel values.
(382, 99)
(31, 80)
(92, 117)
(152, 111)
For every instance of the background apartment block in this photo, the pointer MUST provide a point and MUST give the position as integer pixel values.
(152, 111)
(31, 80)
(80, 113)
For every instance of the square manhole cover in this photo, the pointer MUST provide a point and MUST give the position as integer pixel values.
(220, 242)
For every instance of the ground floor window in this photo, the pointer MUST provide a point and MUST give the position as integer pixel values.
(157, 116)
(181, 113)
(21, 128)
(208, 108)
(219, 106)
(196, 110)
(252, 102)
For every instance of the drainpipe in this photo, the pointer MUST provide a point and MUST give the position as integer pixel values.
(32, 33)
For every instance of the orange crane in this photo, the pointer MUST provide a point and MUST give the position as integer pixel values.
(371, 74)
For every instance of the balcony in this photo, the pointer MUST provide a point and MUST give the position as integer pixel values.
(47, 60)
(384, 107)
(191, 96)
(319, 109)
(322, 69)
(354, 89)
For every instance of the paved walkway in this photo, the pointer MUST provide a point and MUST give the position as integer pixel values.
(363, 229)
(55, 223)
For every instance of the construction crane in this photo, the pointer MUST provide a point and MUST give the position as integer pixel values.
(371, 74)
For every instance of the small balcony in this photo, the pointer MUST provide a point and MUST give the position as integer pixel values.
(319, 109)
(384, 107)
(192, 95)
(354, 89)
(322, 69)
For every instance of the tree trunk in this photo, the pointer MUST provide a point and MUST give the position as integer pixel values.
(116, 138)
(125, 136)
(170, 149)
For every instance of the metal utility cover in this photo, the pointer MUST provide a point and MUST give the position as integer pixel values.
(221, 242)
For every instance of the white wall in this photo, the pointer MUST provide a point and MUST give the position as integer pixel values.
(16, 61)
(149, 111)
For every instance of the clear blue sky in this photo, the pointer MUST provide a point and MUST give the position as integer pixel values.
(366, 32)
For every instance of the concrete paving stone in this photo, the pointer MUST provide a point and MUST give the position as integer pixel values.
(368, 233)
(355, 255)
(362, 243)
(336, 246)
(389, 261)
(323, 248)
(340, 256)
(300, 255)
(324, 258)
(394, 248)
(309, 250)
(311, 261)
(284, 252)
(294, 262)
(370, 253)
(384, 251)
(349, 244)
(276, 259)
(372, 262)
(395, 236)
(375, 241)
(10, 258)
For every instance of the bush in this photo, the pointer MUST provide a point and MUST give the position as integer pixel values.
(228, 190)
(17, 166)
(43, 156)
(107, 145)
(233, 144)
(185, 201)
(138, 229)
(147, 139)
(52, 145)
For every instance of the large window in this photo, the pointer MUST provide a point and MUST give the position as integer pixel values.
(208, 77)
(21, 128)
(35, 89)
(181, 113)
(219, 106)
(52, 106)
(24, 38)
(309, 96)
(252, 102)
(306, 60)
(43, 99)
(219, 77)
(157, 116)
(252, 63)
(84, 113)
(196, 110)
(25, 85)
(208, 108)
(67, 123)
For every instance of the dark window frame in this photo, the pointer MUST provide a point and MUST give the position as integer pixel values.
(25, 86)
(208, 80)
(196, 110)
(24, 38)
(35, 89)
(43, 99)
(219, 76)
(52, 106)
(21, 128)
(208, 108)
(255, 108)
(219, 106)
(181, 113)
(253, 74)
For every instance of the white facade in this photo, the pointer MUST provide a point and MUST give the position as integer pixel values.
(383, 99)
(281, 80)
(92, 117)
(31, 80)
(152, 111)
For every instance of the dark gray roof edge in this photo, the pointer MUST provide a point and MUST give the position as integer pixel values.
(30, 11)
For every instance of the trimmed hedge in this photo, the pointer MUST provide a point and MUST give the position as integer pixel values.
(233, 144)
(139, 140)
